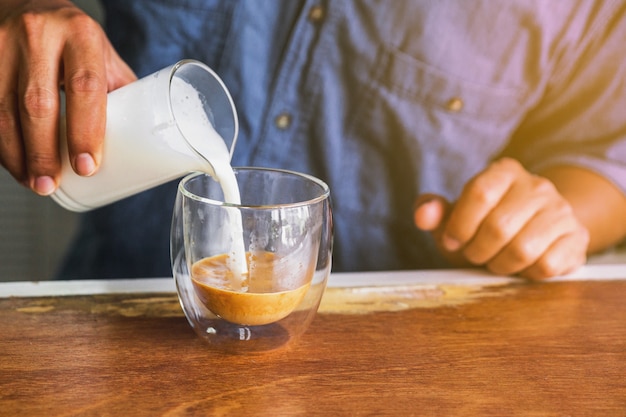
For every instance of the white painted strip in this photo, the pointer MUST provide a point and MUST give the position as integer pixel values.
(85, 287)
(471, 277)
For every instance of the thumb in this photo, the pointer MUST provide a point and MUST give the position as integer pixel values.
(430, 212)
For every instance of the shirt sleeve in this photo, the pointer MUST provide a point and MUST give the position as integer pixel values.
(581, 118)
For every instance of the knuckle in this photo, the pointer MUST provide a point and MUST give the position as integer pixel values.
(32, 24)
(39, 103)
(41, 160)
(543, 185)
(522, 253)
(507, 164)
(499, 228)
(570, 255)
(481, 191)
(32, 21)
(563, 208)
(505, 170)
(564, 217)
(85, 80)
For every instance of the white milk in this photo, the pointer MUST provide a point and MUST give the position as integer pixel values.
(139, 151)
(201, 135)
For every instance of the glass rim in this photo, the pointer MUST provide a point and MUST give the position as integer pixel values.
(324, 194)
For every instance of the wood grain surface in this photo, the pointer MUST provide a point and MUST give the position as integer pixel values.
(552, 349)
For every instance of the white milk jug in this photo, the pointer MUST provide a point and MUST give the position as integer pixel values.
(149, 137)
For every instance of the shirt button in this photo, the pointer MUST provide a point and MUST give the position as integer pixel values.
(455, 104)
(316, 14)
(283, 121)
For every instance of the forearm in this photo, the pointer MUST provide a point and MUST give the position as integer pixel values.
(598, 204)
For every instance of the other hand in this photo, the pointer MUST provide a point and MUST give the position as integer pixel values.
(508, 220)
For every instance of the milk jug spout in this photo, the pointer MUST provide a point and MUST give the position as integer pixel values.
(149, 136)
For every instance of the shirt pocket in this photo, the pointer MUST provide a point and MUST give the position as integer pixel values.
(416, 129)
(449, 91)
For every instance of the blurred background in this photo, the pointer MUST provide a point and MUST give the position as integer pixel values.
(34, 231)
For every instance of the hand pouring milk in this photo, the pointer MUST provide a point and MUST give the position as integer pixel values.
(160, 128)
(145, 143)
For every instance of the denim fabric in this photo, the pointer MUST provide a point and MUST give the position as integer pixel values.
(386, 100)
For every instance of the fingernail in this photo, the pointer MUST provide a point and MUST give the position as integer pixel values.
(44, 185)
(85, 165)
(450, 244)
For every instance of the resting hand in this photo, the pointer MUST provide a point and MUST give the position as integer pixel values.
(46, 44)
(508, 220)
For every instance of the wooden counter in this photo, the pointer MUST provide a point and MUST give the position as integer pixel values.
(382, 345)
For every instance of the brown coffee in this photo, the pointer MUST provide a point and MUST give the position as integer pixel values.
(270, 295)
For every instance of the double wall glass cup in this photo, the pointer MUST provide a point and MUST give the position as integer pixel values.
(250, 276)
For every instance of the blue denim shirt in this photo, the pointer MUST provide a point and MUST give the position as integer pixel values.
(383, 101)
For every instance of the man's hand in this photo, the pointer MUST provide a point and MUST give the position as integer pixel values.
(45, 45)
(508, 220)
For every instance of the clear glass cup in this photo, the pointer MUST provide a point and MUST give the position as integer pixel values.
(285, 224)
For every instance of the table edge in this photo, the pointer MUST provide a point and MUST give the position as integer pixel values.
(469, 277)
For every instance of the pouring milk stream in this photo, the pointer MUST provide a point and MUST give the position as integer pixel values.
(199, 132)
